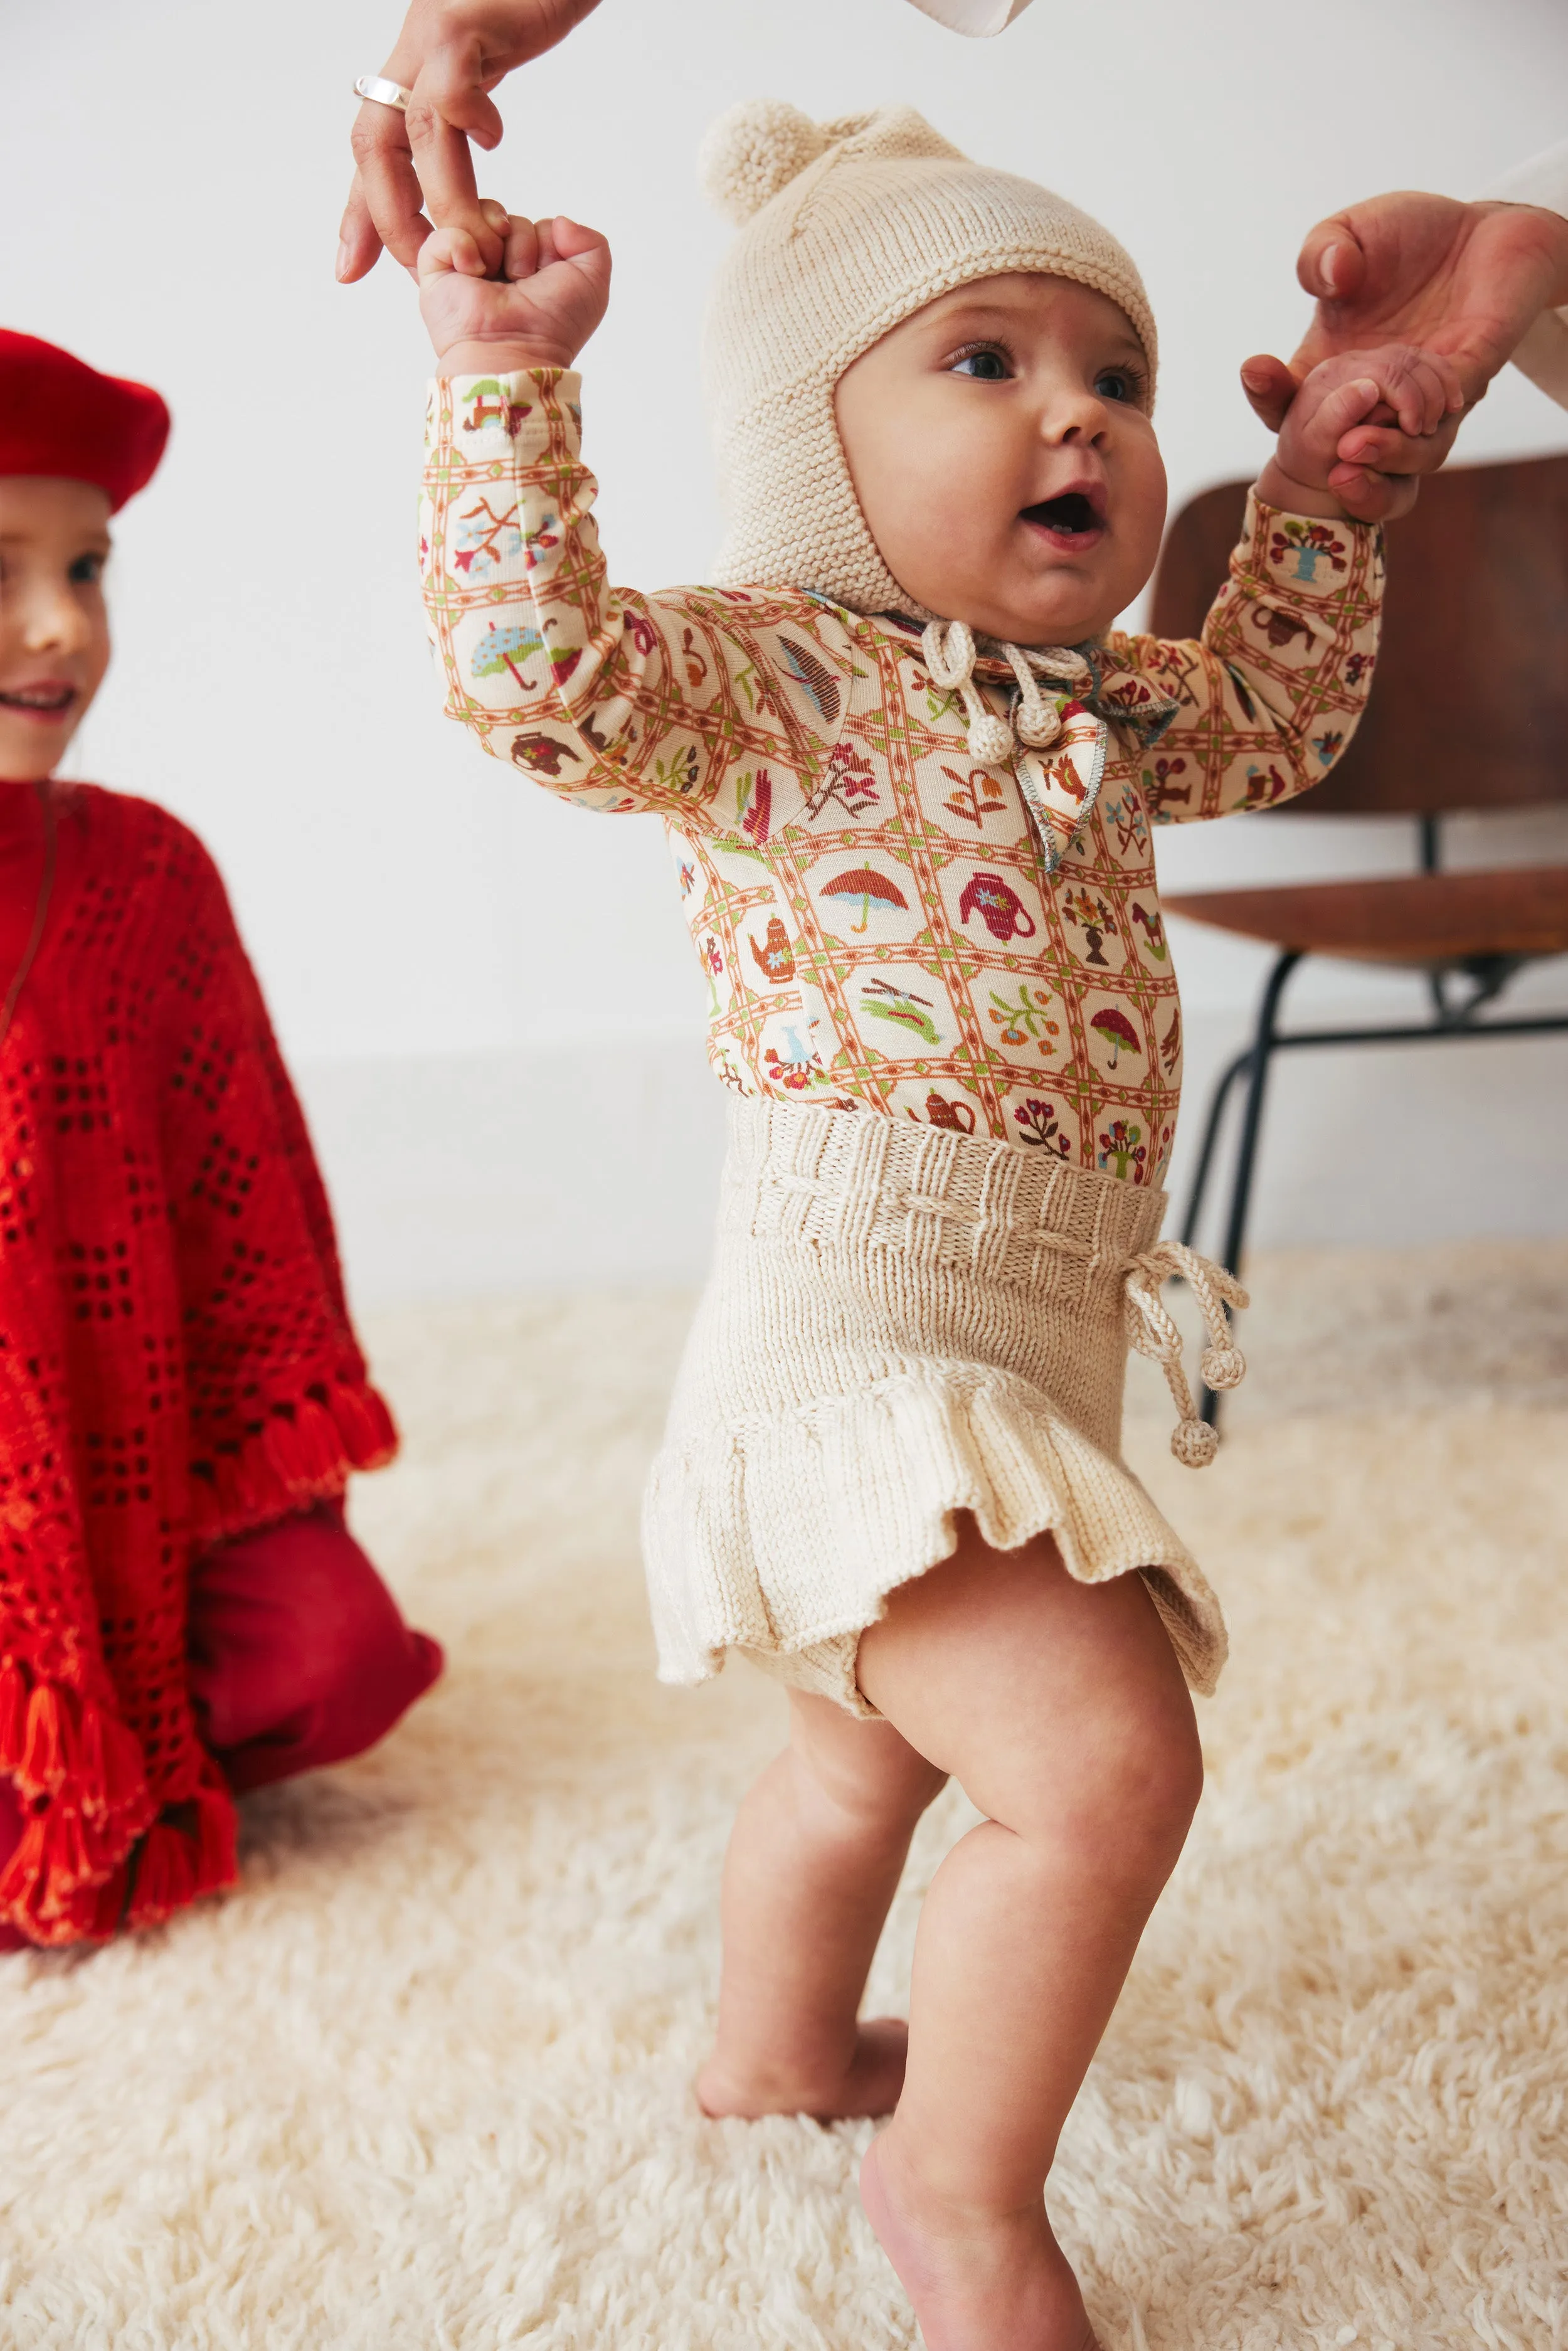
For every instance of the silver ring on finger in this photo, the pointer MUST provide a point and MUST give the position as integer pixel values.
(381, 92)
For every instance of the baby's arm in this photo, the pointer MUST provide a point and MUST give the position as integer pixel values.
(612, 700)
(1268, 697)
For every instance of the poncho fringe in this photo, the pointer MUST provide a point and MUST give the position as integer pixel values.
(94, 1858)
(177, 1364)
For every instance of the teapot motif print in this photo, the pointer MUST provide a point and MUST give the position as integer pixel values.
(885, 921)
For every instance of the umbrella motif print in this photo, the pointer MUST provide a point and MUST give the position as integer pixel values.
(1118, 1032)
(863, 882)
(500, 649)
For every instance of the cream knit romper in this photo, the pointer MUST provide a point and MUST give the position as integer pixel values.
(941, 996)
(901, 1323)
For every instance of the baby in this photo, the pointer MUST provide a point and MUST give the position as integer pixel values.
(909, 771)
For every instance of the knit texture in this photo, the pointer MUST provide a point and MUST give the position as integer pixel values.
(900, 1325)
(176, 1361)
(848, 227)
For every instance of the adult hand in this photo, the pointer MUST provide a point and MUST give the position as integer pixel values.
(1465, 281)
(449, 54)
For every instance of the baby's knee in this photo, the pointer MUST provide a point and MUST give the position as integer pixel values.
(1123, 1804)
(1138, 1800)
(861, 1776)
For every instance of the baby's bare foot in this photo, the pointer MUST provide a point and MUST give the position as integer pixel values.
(979, 2282)
(870, 2085)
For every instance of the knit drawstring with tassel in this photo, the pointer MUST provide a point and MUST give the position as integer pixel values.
(1150, 1332)
(950, 651)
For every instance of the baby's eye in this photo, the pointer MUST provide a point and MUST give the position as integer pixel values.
(1117, 383)
(87, 571)
(988, 366)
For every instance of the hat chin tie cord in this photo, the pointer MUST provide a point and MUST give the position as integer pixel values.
(950, 652)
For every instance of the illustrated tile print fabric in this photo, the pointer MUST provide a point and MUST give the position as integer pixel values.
(881, 920)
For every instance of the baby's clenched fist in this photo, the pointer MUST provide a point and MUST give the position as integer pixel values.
(551, 294)
(1396, 384)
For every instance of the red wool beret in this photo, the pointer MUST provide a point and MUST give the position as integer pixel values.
(60, 417)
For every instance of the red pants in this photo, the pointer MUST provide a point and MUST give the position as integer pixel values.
(299, 1657)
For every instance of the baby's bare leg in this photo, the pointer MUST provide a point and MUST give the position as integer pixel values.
(1061, 1709)
(813, 1863)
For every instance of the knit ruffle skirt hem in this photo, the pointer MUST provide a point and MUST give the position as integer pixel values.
(901, 1323)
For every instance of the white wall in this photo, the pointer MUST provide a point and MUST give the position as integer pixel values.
(454, 962)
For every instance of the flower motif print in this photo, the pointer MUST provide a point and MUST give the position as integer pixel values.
(883, 923)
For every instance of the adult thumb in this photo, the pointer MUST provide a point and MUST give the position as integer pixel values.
(1269, 387)
(1331, 266)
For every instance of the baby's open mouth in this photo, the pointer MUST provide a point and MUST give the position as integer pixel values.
(38, 701)
(1070, 515)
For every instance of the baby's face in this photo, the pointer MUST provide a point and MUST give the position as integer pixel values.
(1000, 445)
(53, 629)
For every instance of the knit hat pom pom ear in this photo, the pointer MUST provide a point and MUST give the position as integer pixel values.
(753, 151)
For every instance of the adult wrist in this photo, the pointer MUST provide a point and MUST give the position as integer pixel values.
(1277, 488)
(501, 358)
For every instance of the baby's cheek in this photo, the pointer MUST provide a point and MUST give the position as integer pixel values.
(1143, 524)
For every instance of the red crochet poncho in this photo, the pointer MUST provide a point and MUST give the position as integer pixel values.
(176, 1361)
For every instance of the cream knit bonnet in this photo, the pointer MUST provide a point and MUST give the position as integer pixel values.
(847, 228)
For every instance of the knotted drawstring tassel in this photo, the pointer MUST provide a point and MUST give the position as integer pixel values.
(949, 650)
(1152, 1332)
(1039, 722)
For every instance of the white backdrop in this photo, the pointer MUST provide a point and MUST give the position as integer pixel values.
(490, 998)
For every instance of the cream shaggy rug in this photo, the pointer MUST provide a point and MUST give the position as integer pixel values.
(424, 2081)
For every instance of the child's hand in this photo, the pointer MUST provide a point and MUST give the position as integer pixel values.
(550, 295)
(1324, 436)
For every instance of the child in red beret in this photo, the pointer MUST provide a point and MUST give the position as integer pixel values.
(184, 1614)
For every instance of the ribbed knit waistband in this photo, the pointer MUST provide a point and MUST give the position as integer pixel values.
(851, 1179)
(861, 1186)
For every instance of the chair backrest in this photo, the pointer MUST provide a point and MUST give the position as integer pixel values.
(1469, 707)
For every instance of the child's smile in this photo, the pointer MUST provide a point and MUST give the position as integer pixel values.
(45, 700)
(54, 630)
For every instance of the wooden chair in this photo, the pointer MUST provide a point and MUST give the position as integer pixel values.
(1469, 711)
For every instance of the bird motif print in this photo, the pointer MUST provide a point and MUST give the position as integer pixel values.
(883, 921)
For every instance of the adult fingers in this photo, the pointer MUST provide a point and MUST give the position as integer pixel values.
(1269, 387)
(451, 79)
(385, 188)
(444, 161)
(359, 245)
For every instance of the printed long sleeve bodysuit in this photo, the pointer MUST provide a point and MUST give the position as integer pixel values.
(884, 923)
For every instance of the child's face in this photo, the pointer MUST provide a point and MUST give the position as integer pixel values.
(1000, 445)
(54, 630)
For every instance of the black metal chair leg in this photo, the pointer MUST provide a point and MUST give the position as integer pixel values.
(1258, 1059)
(1217, 1103)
